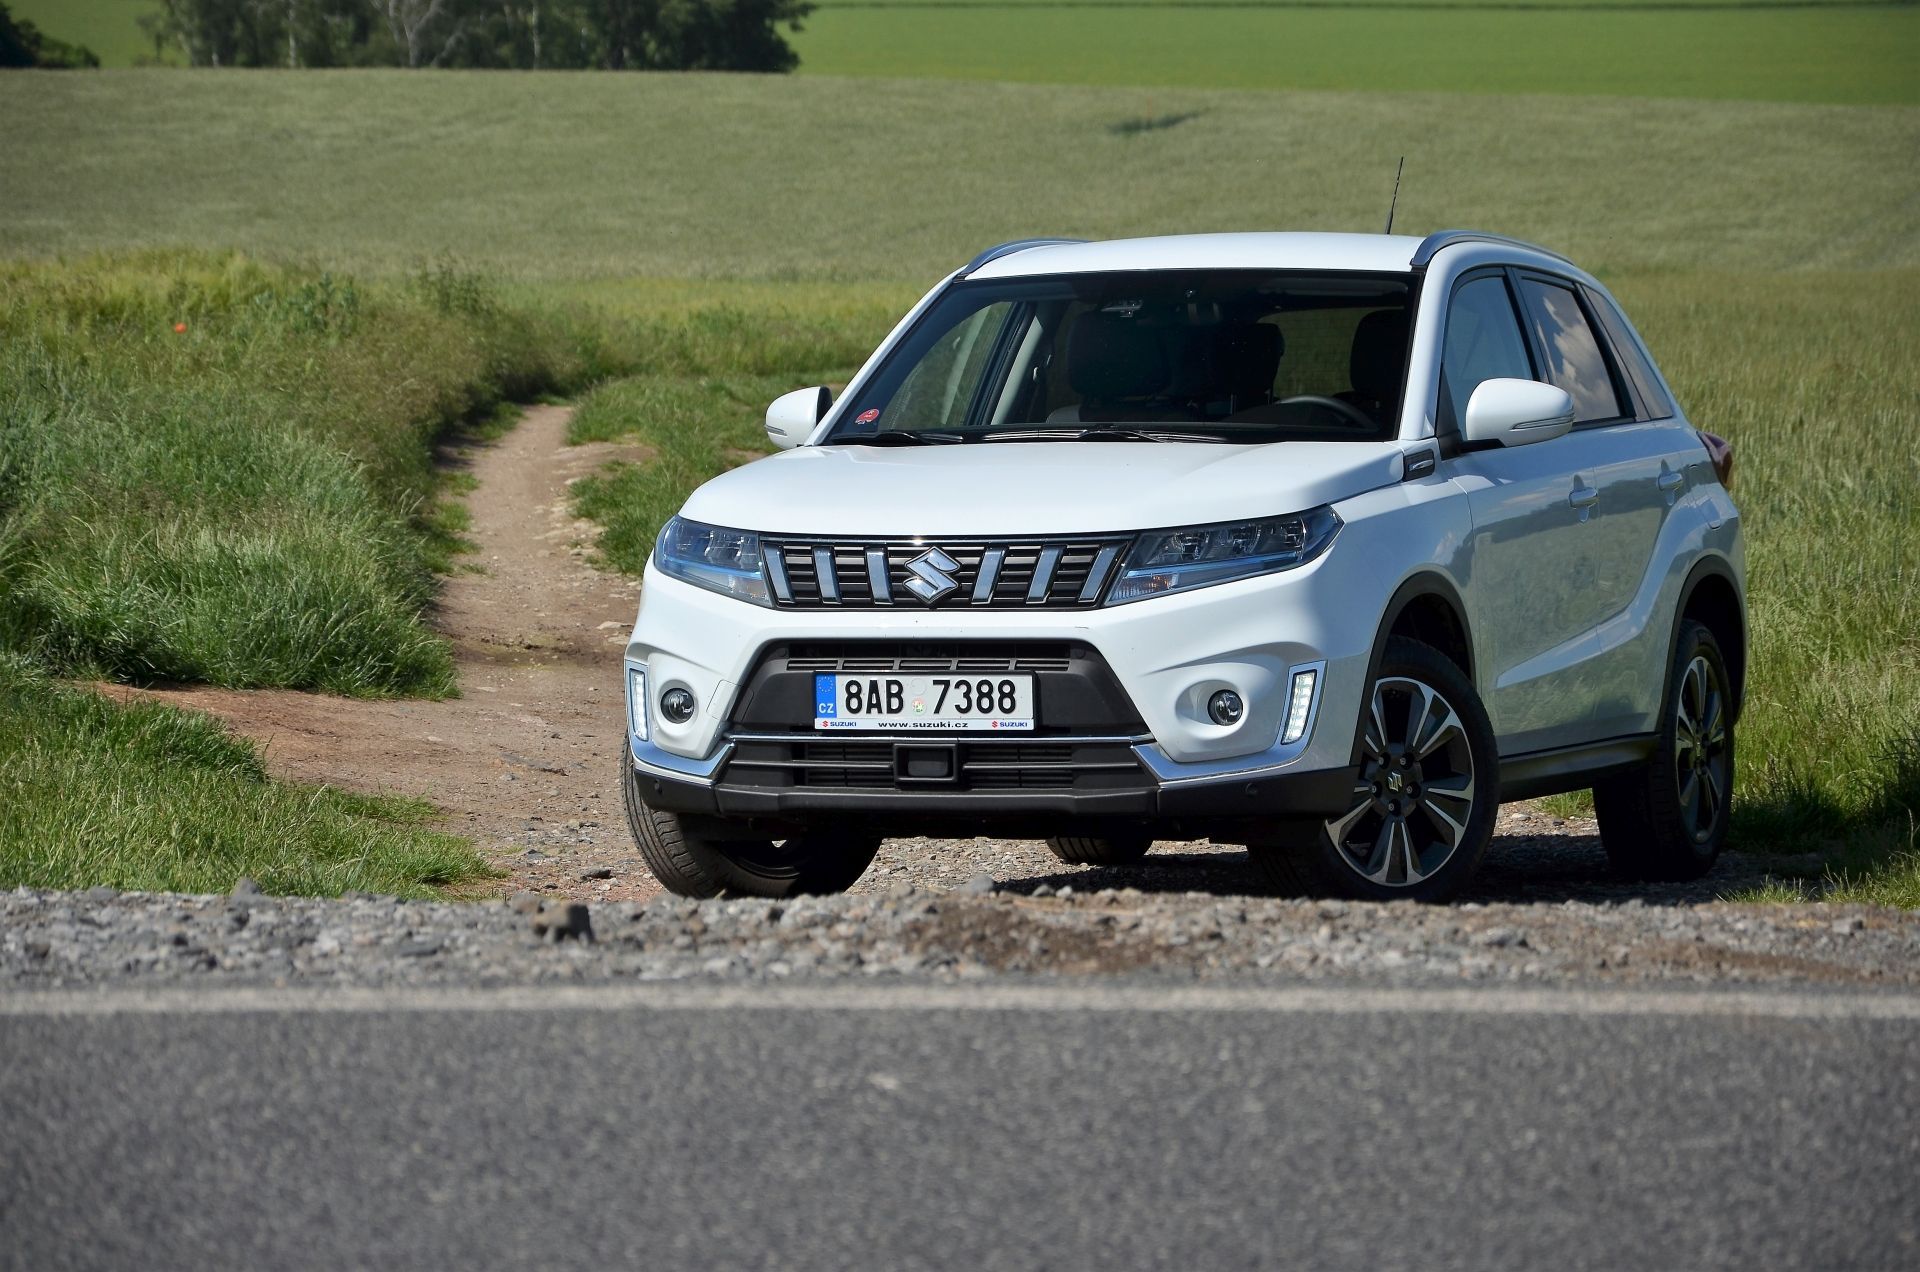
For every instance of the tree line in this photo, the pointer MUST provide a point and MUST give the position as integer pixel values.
(22, 44)
(680, 35)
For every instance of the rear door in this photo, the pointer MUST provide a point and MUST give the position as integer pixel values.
(1561, 528)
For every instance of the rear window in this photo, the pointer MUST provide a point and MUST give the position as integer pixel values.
(1574, 360)
(1627, 354)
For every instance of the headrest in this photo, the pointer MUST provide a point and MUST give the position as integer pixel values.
(1249, 359)
(1379, 354)
(1111, 357)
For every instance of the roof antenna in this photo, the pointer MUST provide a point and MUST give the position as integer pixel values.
(1396, 194)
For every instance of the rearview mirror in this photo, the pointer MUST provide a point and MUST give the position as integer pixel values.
(793, 415)
(1516, 412)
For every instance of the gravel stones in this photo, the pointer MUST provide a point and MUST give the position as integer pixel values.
(563, 921)
(50, 939)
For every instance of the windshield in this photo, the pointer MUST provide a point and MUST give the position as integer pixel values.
(1213, 357)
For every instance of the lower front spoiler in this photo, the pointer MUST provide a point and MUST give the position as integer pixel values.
(1270, 798)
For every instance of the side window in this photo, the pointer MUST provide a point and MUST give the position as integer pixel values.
(1628, 356)
(1483, 342)
(1574, 360)
(940, 390)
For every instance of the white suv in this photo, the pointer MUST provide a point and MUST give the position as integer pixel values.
(1321, 543)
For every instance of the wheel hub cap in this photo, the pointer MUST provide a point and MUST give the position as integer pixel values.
(1701, 763)
(1416, 792)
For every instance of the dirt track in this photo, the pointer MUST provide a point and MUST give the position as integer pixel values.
(524, 760)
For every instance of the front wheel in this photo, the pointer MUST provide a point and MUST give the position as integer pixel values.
(1120, 848)
(1425, 794)
(690, 860)
(1667, 819)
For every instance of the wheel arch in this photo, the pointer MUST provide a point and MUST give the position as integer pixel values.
(1711, 597)
(1427, 607)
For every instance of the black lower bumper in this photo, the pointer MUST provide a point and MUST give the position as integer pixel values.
(1197, 807)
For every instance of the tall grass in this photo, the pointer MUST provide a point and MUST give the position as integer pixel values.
(215, 470)
(1813, 378)
(148, 797)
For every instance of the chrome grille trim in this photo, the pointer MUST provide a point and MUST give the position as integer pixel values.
(777, 575)
(877, 582)
(825, 577)
(1097, 576)
(1058, 572)
(1043, 576)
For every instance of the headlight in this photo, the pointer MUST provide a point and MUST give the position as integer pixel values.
(1165, 561)
(713, 557)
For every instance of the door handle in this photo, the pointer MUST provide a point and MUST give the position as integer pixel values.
(1583, 497)
(1670, 480)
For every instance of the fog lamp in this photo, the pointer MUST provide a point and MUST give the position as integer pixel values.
(1225, 707)
(677, 705)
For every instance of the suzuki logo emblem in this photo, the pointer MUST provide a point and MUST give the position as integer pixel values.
(931, 579)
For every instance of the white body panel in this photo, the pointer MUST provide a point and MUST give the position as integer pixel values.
(1033, 488)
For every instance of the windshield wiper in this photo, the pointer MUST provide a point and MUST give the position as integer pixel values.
(1065, 435)
(900, 437)
(1101, 433)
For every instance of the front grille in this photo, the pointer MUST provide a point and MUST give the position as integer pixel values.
(998, 765)
(976, 574)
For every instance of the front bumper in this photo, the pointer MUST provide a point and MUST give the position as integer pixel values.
(1169, 655)
(1264, 796)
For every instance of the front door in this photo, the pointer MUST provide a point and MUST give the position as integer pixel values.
(1563, 531)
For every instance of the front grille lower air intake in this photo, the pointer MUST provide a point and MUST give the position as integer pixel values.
(1068, 573)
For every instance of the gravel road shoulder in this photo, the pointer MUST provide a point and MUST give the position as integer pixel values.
(69, 940)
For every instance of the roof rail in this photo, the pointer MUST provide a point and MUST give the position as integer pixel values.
(1430, 245)
(1008, 249)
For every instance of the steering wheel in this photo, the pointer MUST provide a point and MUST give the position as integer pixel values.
(1352, 413)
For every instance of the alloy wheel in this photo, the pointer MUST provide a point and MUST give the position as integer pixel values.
(1415, 792)
(1700, 761)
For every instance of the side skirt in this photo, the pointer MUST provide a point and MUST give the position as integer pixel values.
(1571, 768)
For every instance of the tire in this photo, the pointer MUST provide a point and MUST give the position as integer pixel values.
(690, 861)
(1666, 820)
(1124, 848)
(1422, 837)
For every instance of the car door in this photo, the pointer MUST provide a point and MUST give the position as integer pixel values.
(1618, 655)
(1559, 527)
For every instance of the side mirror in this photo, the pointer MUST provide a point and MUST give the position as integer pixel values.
(793, 415)
(1515, 412)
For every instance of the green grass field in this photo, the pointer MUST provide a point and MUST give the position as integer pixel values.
(1761, 50)
(571, 176)
(1767, 52)
(696, 244)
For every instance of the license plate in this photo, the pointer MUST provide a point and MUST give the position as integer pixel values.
(914, 704)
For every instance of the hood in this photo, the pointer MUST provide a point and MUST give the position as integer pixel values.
(1035, 488)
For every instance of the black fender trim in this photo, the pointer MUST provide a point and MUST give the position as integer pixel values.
(1712, 567)
(1425, 583)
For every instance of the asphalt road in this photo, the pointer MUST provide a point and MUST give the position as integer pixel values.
(959, 1127)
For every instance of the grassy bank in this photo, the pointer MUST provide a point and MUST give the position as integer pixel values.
(148, 797)
(217, 470)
